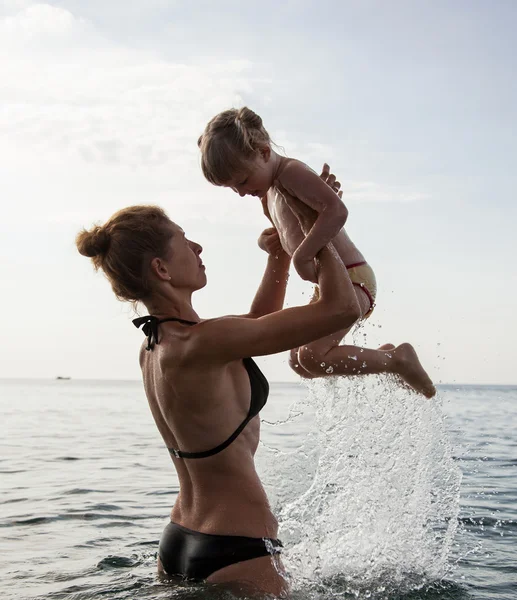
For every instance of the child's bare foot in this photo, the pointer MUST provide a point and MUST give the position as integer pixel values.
(412, 372)
(386, 347)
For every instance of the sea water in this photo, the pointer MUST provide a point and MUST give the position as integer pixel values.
(380, 493)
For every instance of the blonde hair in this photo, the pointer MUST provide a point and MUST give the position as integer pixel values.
(230, 140)
(125, 245)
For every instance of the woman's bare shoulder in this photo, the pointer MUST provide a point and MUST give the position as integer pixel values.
(188, 349)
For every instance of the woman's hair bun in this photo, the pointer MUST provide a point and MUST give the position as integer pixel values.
(93, 243)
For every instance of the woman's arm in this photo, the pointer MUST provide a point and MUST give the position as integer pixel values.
(303, 184)
(230, 338)
(271, 292)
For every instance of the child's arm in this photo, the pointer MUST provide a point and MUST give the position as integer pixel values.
(305, 185)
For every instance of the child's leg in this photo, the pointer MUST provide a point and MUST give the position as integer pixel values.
(323, 345)
(325, 357)
(352, 360)
(320, 347)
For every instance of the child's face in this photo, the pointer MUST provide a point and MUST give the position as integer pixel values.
(256, 178)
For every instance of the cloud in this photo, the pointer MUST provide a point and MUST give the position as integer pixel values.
(98, 124)
(7, 7)
(38, 24)
(89, 125)
(315, 153)
(368, 191)
(104, 103)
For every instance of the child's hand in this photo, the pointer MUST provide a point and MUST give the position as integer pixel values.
(269, 241)
(305, 267)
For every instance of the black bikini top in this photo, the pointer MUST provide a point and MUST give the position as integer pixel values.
(258, 382)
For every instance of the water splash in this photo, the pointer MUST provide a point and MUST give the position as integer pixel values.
(371, 499)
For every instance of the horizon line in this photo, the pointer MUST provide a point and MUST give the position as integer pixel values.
(66, 378)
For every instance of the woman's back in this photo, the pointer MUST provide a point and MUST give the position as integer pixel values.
(198, 406)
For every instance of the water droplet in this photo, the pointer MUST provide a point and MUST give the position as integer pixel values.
(353, 357)
(322, 364)
(329, 370)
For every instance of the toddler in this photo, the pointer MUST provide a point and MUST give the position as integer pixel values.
(237, 152)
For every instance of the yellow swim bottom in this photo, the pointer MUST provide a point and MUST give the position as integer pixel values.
(361, 275)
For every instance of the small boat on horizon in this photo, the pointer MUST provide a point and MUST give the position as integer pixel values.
(63, 378)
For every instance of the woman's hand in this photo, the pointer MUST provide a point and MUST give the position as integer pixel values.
(305, 267)
(330, 179)
(269, 241)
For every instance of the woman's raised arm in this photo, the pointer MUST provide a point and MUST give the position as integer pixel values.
(229, 338)
(270, 294)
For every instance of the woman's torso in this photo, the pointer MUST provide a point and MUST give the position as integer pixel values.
(196, 407)
(288, 226)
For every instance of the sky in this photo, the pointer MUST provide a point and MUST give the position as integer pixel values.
(412, 102)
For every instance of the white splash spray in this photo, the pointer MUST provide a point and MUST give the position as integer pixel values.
(370, 501)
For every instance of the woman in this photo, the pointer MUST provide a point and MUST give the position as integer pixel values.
(205, 392)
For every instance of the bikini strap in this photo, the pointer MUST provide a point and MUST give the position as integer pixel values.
(150, 327)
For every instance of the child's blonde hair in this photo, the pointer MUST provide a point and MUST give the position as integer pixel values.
(230, 140)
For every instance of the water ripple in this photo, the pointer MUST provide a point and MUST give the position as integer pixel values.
(77, 516)
(75, 491)
(117, 562)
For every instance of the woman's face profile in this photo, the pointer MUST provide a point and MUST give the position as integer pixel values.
(183, 261)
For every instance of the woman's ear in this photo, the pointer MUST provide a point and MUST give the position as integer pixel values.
(159, 269)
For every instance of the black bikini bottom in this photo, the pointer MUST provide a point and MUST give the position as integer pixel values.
(197, 555)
